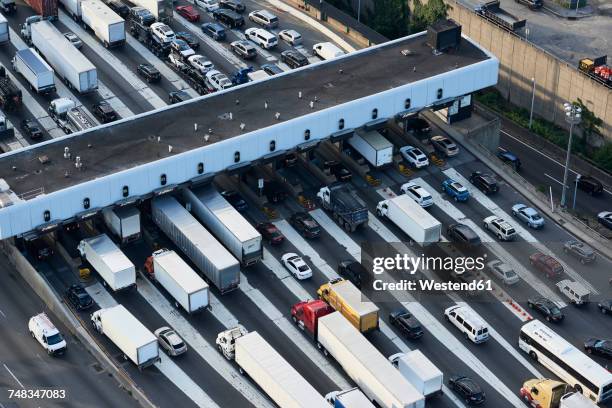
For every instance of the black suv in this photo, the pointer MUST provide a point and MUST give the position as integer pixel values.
(293, 59)
(274, 191)
(590, 184)
(605, 307)
(468, 389)
(78, 297)
(484, 182)
(119, 8)
(305, 225)
(104, 112)
(189, 38)
(235, 5)
(272, 69)
(228, 17)
(551, 312)
(353, 271)
(418, 126)
(599, 347)
(142, 16)
(178, 96)
(463, 235)
(406, 323)
(31, 129)
(149, 72)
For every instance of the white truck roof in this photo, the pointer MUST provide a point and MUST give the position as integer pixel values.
(102, 11)
(43, 321)
(421, 364)
(181, 272)
(422, 217)
(125, 322)
(375, 139)
(50, 34)
(112, 255)
(353, 296)
(34, 61)
(577, 287)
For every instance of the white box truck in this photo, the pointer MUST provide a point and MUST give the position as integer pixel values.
(373, 146)
(135, 341)
(116, 270)
(183, 283)
(419, 371)
(4, 30)
(161, 9)
(108, 26)
(217, 264)
(255, 357)
(411, 218)
(222, 219)
(366, 366)
(67, 61)
(35, 70)
(124, 222)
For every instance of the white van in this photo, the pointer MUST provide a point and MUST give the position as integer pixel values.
(47, 334)
(327, 51)
(470, 324)
(261, 37)
(574, 291)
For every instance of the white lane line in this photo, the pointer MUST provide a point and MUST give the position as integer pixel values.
(495, 247)
(174, 373)
(292, 332)
(215, 45)
(114, 101)
(131, 78)
(161, 66)
(221, 313)
(13, 375)
(198, 344)
(522, 231)
(441, 333)
(553, 179)
(297, 241)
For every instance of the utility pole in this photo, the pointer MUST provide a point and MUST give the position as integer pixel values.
(573, 116)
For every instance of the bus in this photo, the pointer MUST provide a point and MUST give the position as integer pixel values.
(566, 361)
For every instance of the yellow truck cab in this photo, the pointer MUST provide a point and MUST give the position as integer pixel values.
(344, 297)
(544, 393)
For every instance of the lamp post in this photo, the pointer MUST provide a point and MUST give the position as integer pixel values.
(532, 100)
(573, 115)
(575, 190)
(359, 11)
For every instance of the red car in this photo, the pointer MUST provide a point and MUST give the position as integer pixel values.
(270, 233)
(546, 264)
(190, 13)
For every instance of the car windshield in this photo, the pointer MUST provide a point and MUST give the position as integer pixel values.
(555, 310)
(83, 298)
(178, 346)
(303, 268)
(56, 338)
(536, 217)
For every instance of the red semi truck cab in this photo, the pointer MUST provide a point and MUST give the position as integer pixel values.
(306, 314)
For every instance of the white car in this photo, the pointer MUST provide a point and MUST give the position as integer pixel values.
(200, 63)
(414, 156)
(217, 81)
(170, 342)
(500, 228)
(418, 194)
(208, 5)
(291, 37)
(163, 32)
(504, 272)
(296, 266)
(176, 60)
(74, 40)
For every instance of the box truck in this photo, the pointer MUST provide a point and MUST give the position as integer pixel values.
(419, 371)
(215, 262)
(116, 270)
(68, 63)
(35, 70)
(108, 26)
(411, 218)
(44, 8)
(345, 205)
(4, 30)
(373, 146)
(222, 219)
(364, 364)
(344, 297)
(255, 357)
(135, 341)
(161, 9)
(186, 287)
(124, 223)
(352, 398)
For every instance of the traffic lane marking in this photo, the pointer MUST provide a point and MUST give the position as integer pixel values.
(13, 375)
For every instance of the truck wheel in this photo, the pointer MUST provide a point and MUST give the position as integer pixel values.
(325, 352)
(347, 227)
(533, 355)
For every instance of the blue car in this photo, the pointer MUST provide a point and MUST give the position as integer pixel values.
(509, 158)
(455, 190)
(214, 30)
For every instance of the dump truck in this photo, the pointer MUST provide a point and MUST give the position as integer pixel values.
(116, 270)
(279, 380)
(419, 371)
(344, 297)
(10, 94)
(68, 63)
(597, 69)
(108, 26)
(352, 398)
(222, 219)
(365, 365)
(135, 341)
(35, 70)
(373, 146)
(69, 117)
(209, 256)
(411, 218)
(342, 201)
(124, 223)
(492, 11)
(546, 393)
(186, 287)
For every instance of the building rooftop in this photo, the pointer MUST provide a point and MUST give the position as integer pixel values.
(146, 138)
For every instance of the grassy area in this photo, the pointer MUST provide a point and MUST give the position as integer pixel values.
(600, 157)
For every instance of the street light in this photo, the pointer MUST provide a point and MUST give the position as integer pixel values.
(573, 115)
(532, 100)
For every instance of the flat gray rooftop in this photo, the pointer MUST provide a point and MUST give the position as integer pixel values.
(132, 143)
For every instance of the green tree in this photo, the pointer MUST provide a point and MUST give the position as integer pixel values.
(389, 17)
(590, 123)
(603, 157)
(423, 15)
